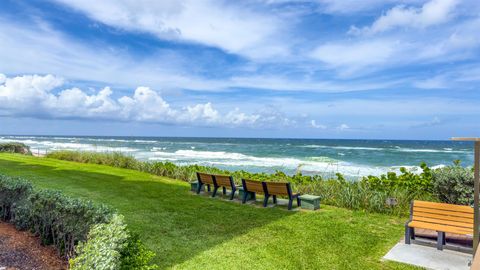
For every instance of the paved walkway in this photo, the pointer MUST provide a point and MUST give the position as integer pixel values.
(429, 257)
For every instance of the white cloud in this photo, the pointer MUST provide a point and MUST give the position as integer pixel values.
(343, 127)
(361, 53)
(230, 27)
(434, 122)
(355, 6)
(314, 124)
(431, 13)
(39, 96)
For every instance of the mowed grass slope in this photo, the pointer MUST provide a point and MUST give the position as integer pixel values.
(188, 231)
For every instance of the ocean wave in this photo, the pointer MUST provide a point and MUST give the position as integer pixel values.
(419, 150)
(394, 149)
(318, 165)
(52, 146)
(343, 147)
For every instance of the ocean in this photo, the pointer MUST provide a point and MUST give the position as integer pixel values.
(326, 157)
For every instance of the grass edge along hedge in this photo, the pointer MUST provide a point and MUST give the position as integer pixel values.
(90, 236)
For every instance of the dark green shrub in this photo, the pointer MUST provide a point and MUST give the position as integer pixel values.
(14, 147)
(453, 184)
(14, 193)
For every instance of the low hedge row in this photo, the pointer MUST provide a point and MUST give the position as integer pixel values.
(73, 226)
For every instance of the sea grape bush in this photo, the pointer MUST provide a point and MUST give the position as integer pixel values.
(406, 180)
(66, 222)
(453, 184)
(14, 147)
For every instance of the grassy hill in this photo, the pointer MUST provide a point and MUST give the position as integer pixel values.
(188, 231)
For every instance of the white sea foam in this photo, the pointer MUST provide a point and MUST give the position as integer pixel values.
(51, 146)
(323, 165)
(343, 147)
(396, 149)
(444, 150)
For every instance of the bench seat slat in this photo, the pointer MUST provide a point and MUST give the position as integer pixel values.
(442, 212)
(254, 186)
(444, 206)
(206, 178)
(468, 220)
(223, 181)
(443, 222)
(440, 228)
(277, 188)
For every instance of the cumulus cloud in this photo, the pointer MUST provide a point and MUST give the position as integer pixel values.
(431, 13)
(343, 127)
(314, 124)
(40, 96)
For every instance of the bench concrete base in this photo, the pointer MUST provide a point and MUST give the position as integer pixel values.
(310, 202)
(194, 186)
(250, 196)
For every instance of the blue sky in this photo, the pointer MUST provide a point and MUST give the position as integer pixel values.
(265, 68)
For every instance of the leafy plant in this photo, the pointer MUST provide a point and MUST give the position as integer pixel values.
(453, 184)
(15, 147)
(407, 180)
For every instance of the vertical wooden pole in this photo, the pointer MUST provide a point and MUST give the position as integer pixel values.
(476, 198)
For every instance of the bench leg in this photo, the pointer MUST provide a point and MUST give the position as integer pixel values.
(214, 191)
(232, 194)
(408, 234)
(265, 200)
(244, 198)
(290, 202)
(208, 187)
(299, 202)
(440, 240)
(275, 199)
(444, 239)
(199, 188)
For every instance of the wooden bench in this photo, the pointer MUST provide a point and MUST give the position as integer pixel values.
(273, 189)
(440, 217)
(216, 181)
(224, 182)
(251, 187)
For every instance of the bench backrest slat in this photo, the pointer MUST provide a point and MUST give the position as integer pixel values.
(223, 181)
(205, 178)
(253, 186)
(459, 216)
(278, 188)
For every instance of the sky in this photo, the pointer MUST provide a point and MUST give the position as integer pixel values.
(366, 69)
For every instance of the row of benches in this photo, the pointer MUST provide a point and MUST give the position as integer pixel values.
(250, 188)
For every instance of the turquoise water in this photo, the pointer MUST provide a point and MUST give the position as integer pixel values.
(310, 156)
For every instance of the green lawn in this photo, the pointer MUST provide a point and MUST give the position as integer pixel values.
(188, 231)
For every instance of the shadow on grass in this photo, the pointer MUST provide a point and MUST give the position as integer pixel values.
(171, 220)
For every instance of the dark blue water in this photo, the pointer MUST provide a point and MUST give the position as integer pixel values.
(310, 156)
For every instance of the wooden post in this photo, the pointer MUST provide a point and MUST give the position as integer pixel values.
(476, 194)
(476, 188)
